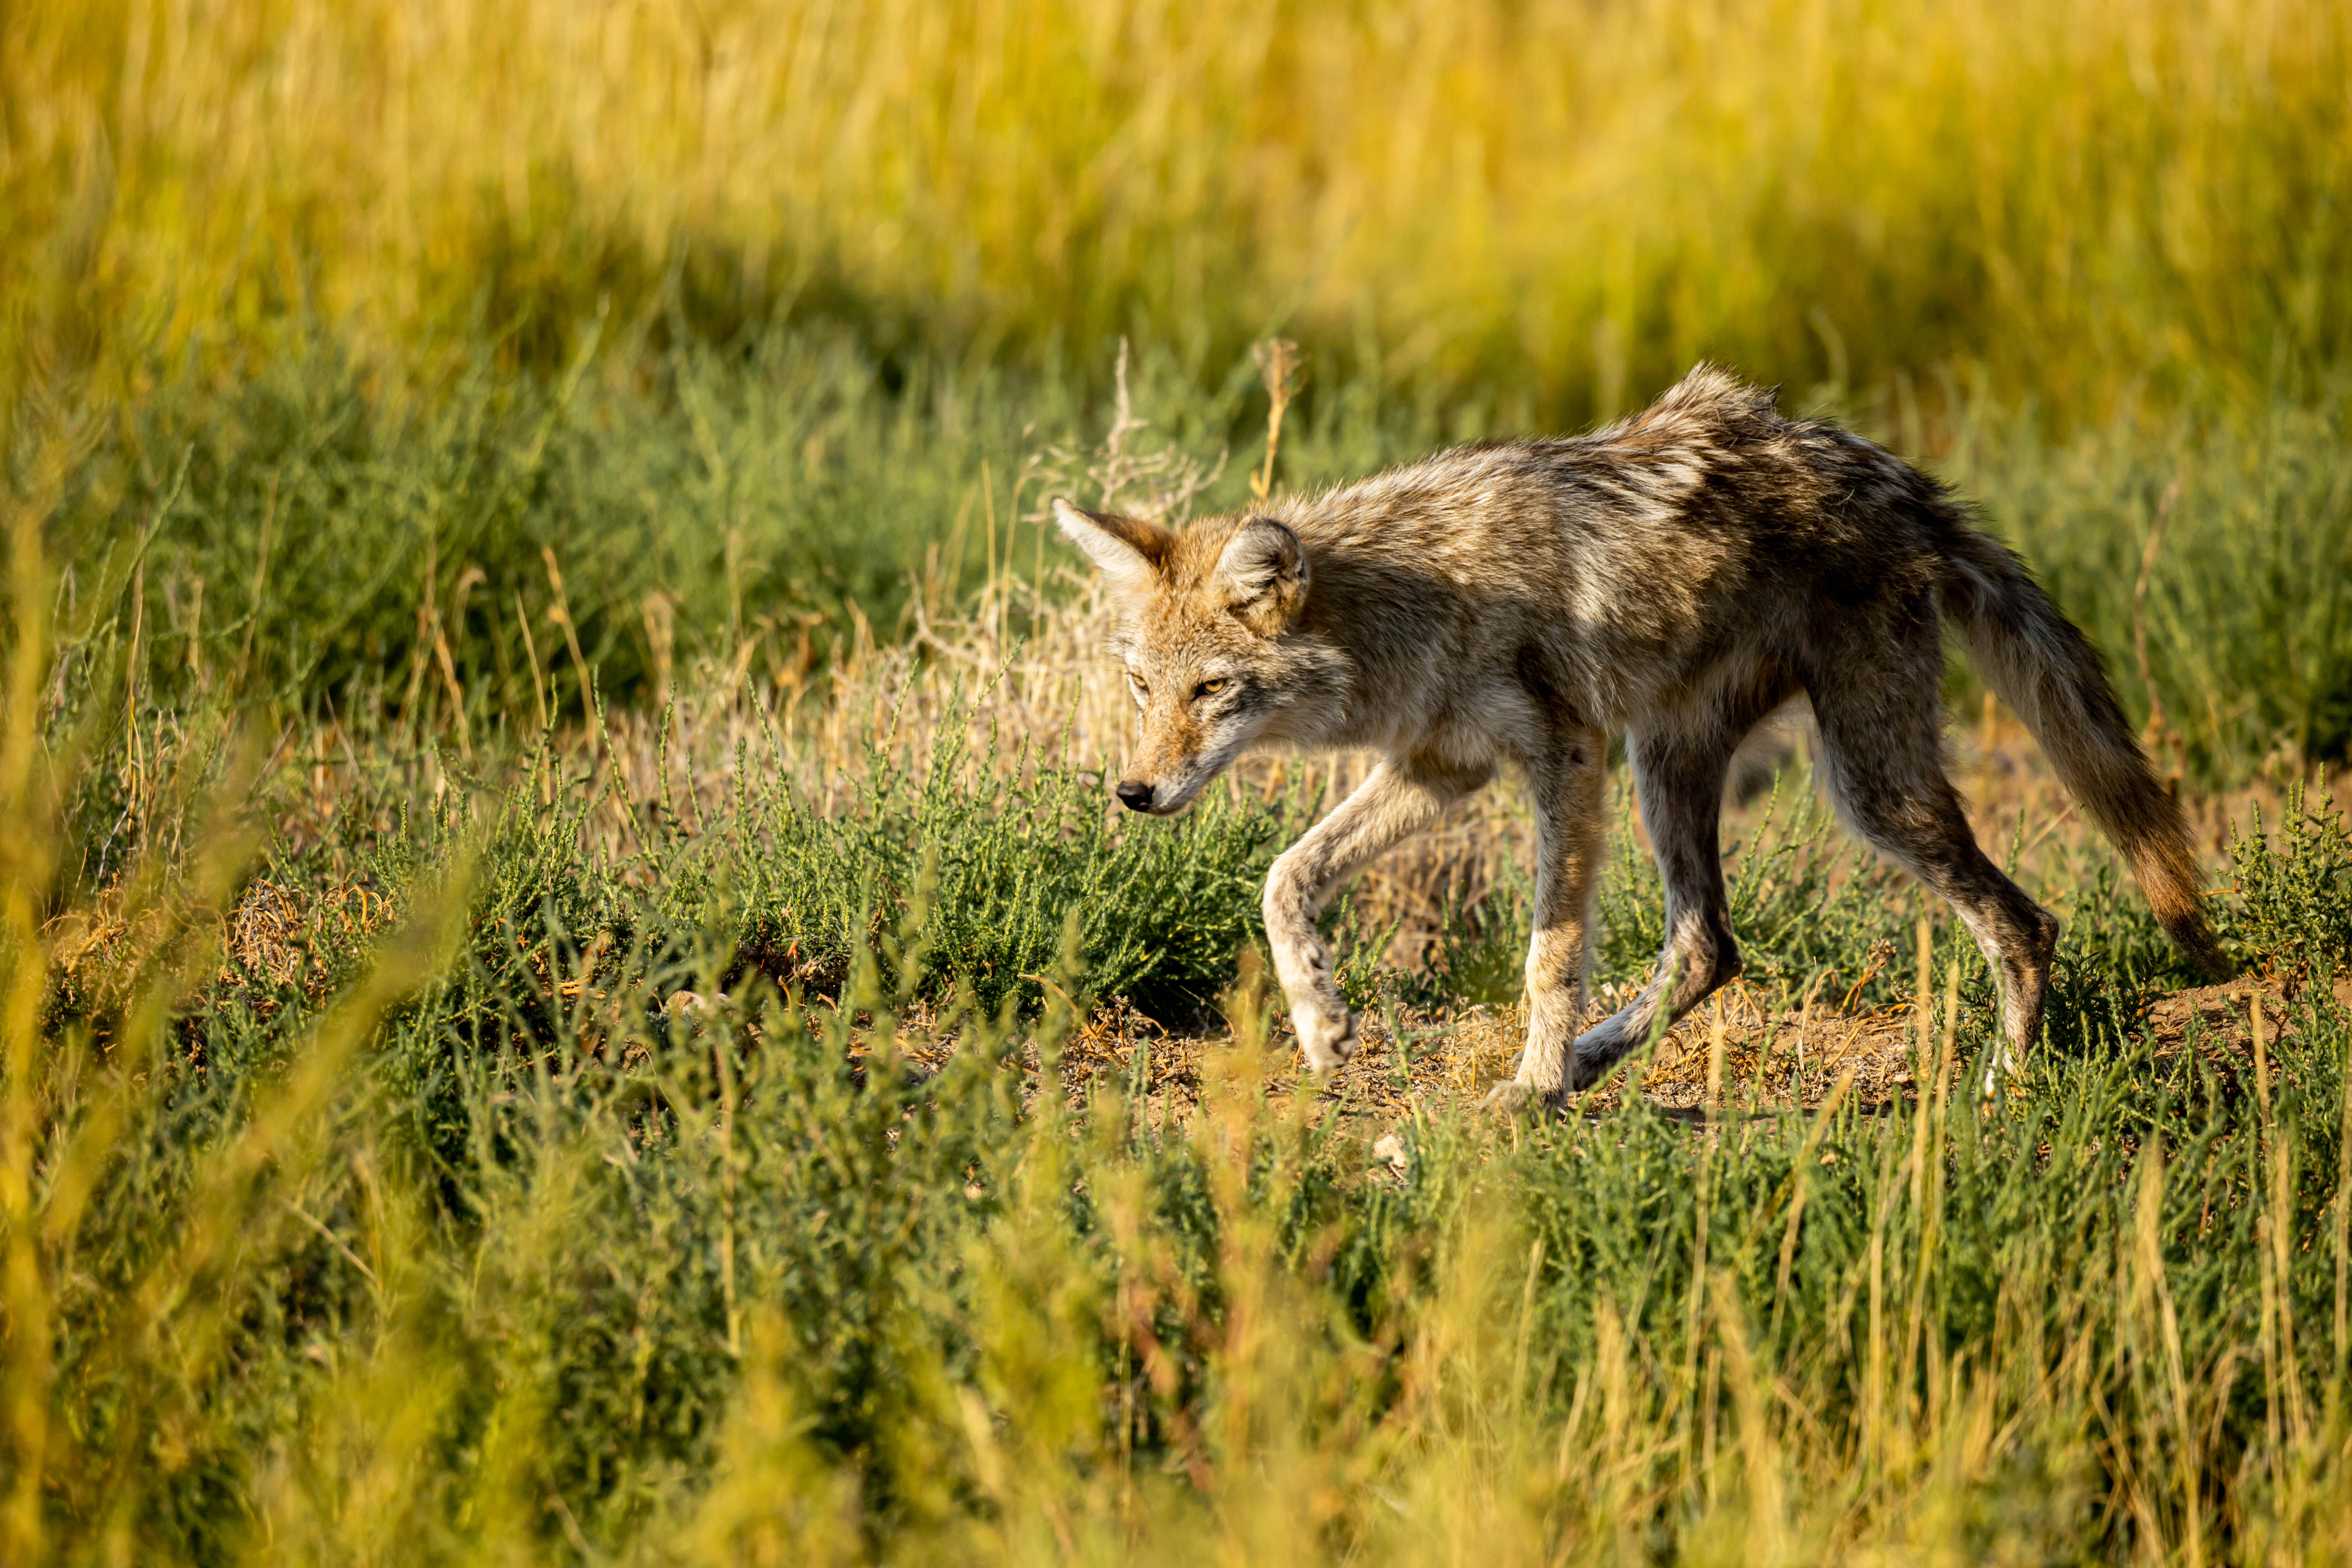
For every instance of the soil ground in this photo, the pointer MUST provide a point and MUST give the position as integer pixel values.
(1771, 1061)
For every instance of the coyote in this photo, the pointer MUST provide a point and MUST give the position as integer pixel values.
(1676, 577)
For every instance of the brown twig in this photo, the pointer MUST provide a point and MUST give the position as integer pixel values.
(1283, 367)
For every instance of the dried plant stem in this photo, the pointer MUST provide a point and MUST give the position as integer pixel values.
(1281, 364)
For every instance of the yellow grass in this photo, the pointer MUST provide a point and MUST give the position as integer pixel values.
(1575, 199)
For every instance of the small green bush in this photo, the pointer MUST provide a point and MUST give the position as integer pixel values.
(2292, 912)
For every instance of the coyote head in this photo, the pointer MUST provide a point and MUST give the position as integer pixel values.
(1208, 629)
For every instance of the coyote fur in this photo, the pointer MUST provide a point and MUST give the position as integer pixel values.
(1674, 578)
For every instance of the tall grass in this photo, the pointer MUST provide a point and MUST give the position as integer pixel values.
(475, 556)
(1565, 201)
(2207, 563)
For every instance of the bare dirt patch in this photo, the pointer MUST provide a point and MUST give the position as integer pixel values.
(2218, 1020)
(1773, 1060)
(1437, 1060)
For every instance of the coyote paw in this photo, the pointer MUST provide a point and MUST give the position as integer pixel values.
(1513, 1099)
(1327, 1035)
(2004, 1070)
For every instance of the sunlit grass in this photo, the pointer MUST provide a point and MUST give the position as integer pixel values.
(1561, 204)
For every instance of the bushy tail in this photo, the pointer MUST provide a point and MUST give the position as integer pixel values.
(2046, 670)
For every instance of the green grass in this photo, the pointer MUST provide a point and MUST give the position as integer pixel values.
(2213, 551)
(296, 522)
(310, 540)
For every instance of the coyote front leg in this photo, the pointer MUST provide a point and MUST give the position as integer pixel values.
(1571, 839)
(1401, 797)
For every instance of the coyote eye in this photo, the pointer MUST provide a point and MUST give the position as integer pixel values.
(1137, 682)
(1210, 687)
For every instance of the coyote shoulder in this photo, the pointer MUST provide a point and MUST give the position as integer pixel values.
(1672, 578)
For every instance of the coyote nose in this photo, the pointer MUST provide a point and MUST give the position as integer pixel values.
(1136, 796)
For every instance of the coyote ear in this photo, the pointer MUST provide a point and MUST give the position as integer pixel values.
(1130, 552)
(1263, 575)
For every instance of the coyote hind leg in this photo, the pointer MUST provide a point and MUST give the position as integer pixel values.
(1882, 759)
(1679, 780)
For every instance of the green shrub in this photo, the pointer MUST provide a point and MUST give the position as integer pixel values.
(2292, 911)
(981, 885)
